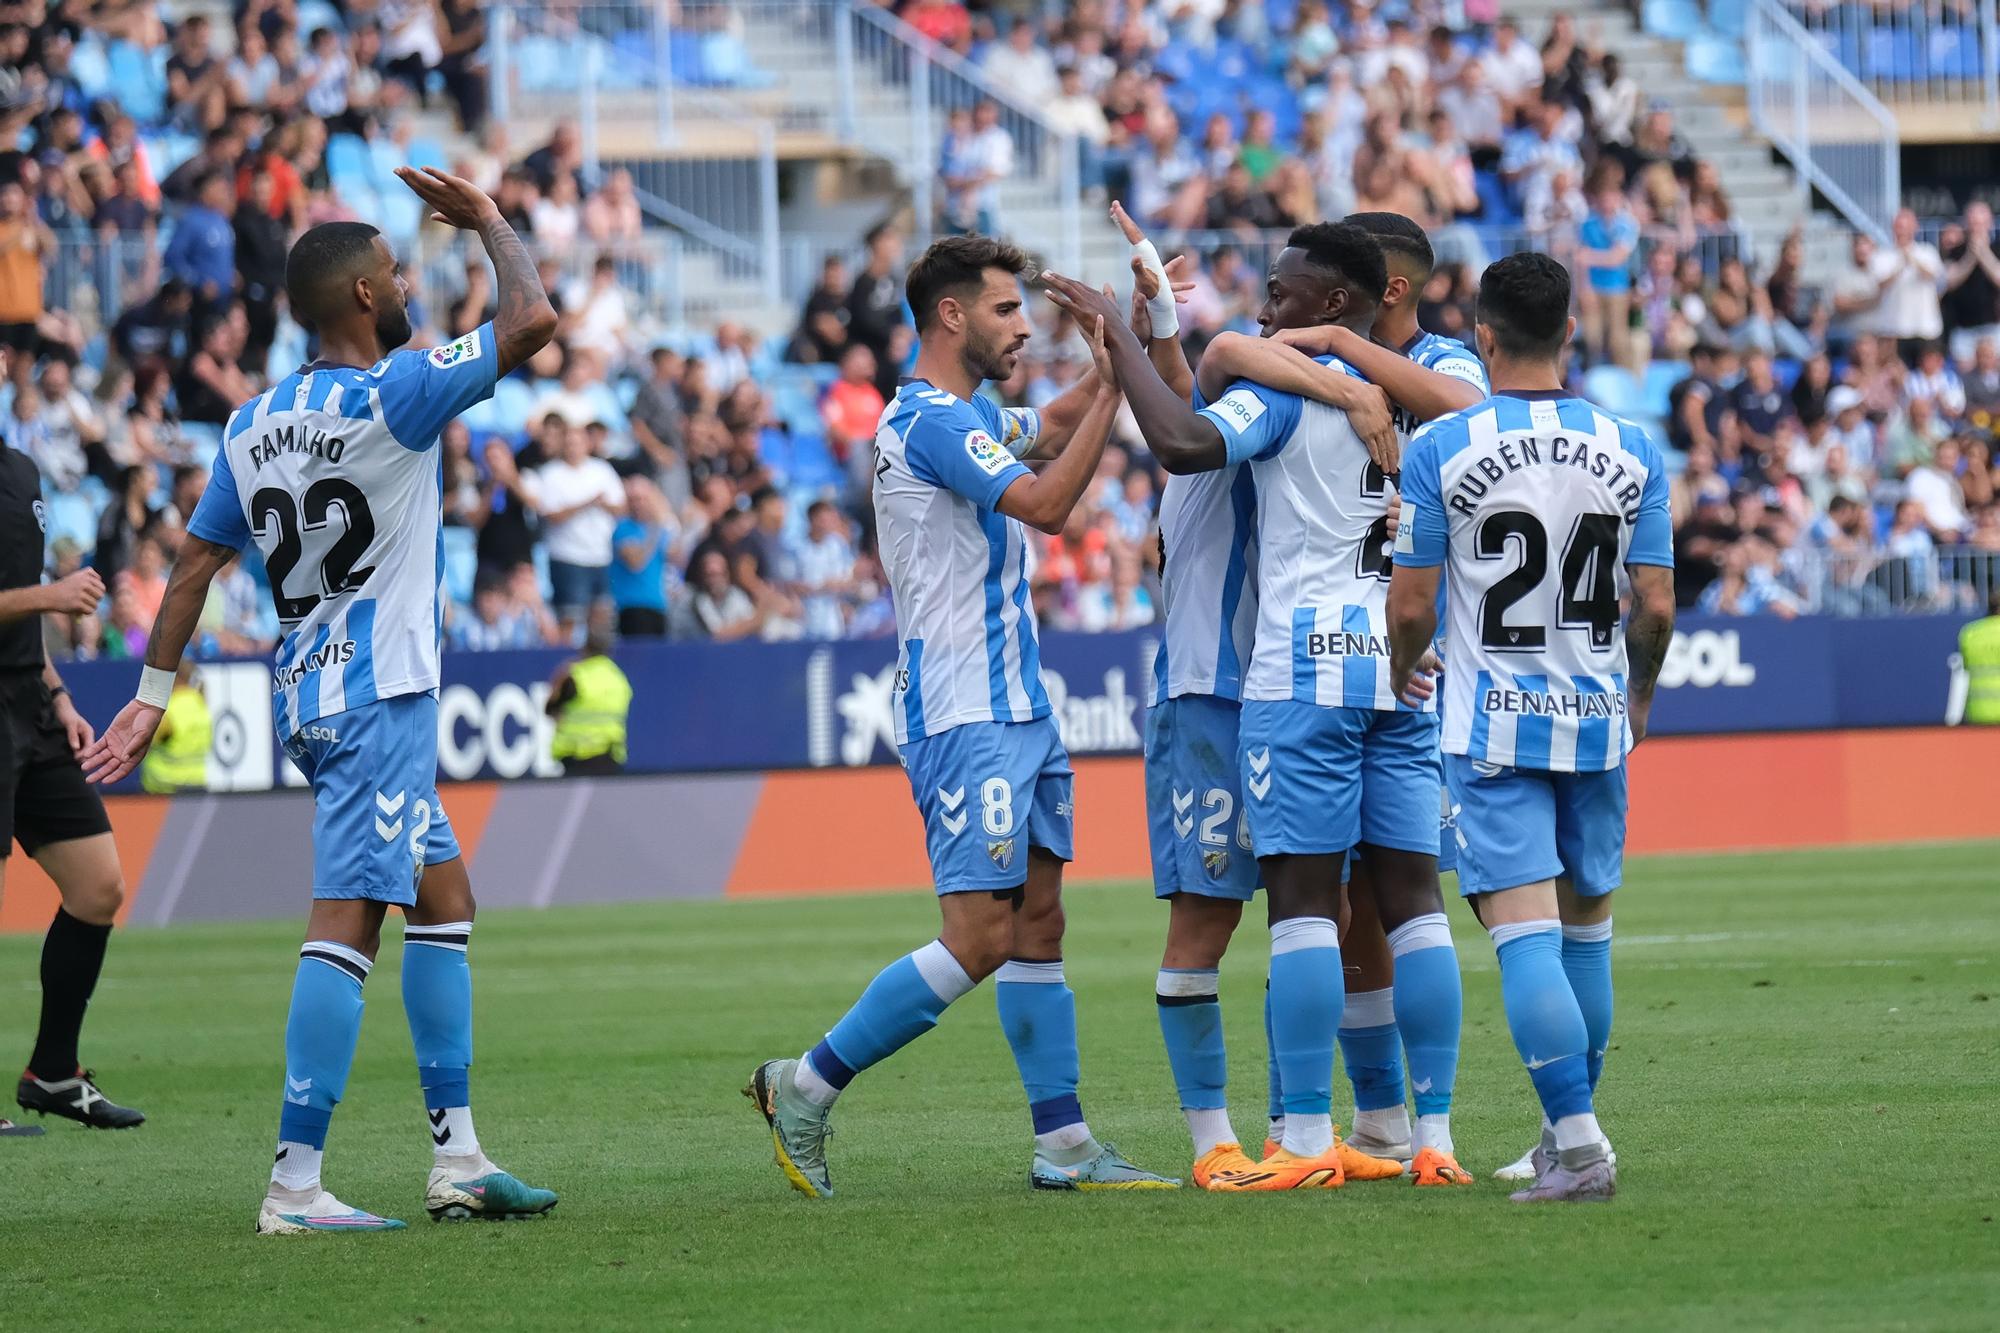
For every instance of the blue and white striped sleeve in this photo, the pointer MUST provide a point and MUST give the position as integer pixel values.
(423, 390)
(1423, 532)
(1653, 530)
(218, 515)
(956, 452)
(1255, 421)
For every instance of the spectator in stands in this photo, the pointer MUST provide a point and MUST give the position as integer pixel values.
(1747, 585)
(495, 623)
(1982, 386)
(255, 79)
(197, 82)
(562, 155)
(1534, 156)
(1075, 110)
(822, 333)
(721, 611)
(852, 406)
(1971, 301)
(556, 216)
(221, 149)
(1022, 65)
(202, 252)
(1934, 379)
(580, 500)
(26, 325)
(943, 21)
(461, 62)
(1909, 568)
(1934, 486)
(599, 320)
(642, 547)
(612, 216)
(1120, 602)
(1513, 68)
(1907, 276)
(826, 575)
(1609, 240)
(212, 385)
(659, 424)
(982, 159)
(262, 241)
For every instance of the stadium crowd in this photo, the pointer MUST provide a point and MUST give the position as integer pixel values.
(707, 483)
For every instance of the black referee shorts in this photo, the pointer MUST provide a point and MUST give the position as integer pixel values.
(43, 796)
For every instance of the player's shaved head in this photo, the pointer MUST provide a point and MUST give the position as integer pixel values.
(1404, 245)
(956, 267)
(1524, 305)
(341, 272)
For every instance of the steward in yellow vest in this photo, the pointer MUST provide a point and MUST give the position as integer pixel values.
(590, 699)
(1979, 652)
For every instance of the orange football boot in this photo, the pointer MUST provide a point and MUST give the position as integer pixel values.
(1281, 1170)
(1358, 1165)
(1432, 1167)
(1222, 1159)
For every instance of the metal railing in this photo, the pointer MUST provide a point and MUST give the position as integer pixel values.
(1837, 135)
(701, 164)
(1940, 56)
(1883, 583)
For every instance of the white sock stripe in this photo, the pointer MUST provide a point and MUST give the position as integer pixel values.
(1591, 934)
(1431, 931)
(941, 971)
(1368, 1009)
(1186, 981)
(1303, 932)
(1518, 930)
(329, 952)
(444, 928)
(1046, 974)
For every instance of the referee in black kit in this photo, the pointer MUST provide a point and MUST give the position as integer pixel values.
(49, 808)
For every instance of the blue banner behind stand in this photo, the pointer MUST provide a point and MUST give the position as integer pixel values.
(710, 707)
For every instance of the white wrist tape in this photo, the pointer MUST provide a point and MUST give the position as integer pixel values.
(1162, 306)
(156, 686)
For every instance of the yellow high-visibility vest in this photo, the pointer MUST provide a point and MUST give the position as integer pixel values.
(178, 761)
(1979, 650)
(593, 723)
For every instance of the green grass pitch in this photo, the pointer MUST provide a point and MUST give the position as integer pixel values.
(1803, 1091)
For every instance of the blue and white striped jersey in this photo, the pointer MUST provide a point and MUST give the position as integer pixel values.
(1447, 356)
(958, 569)
(1534, 502)
(1322, 549)
(1208, 582)
(335, 474)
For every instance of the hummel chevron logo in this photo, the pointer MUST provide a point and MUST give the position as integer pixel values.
(1422, 1085)
(389, 832)
(1260, 772)
(439, 1136)
(1183, 818)
(955, 815)
(296, 1086)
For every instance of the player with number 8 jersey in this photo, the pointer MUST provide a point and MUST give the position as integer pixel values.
(334, 475)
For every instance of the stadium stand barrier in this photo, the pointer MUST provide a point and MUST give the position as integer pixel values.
(531, 844)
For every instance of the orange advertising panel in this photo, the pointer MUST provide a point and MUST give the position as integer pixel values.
(30, 898)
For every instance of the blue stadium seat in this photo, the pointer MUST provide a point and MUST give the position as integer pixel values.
(814, 468)
(1661, 377)
(319, 14)
(1676, 19)
(427, 153)
(512, 401)
(348, 162)
(70, 516)
(90, 66)
(1954, 53)
(1615, 389)
(1786, 372)
(167, 150)
(204, 439)
(1727, 16)
(1713, 58)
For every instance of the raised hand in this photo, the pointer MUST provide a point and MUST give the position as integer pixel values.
(1081, 302)
(453, 201)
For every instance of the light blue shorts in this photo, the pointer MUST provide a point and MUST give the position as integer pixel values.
(1321, 779)
(1447, 832)
(1523, 825)
(1195, 820)
(988, 791)
(377, 819)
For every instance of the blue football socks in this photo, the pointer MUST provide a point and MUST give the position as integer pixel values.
(1307, 996)
(1586, 952)
(320, 1034)
(902, 1003)
(1191, 1024)
(1038, 1014)
(1547, 1024)
(1430, 1005)
(437, 998)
